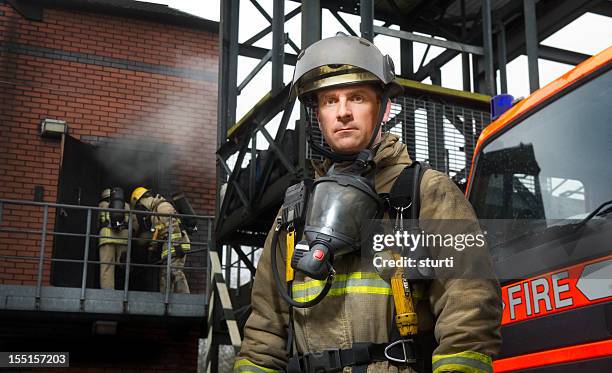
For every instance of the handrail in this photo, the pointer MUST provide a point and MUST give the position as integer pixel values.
(42, 256)
(68, 234)
(95, 208)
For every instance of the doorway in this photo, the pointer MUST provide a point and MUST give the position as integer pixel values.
(85, 170)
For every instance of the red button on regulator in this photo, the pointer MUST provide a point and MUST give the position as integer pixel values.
(318, 254)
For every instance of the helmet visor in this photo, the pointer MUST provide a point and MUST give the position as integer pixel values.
(325, 77)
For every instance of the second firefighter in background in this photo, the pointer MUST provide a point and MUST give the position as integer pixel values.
(112, 243)
(163, 228)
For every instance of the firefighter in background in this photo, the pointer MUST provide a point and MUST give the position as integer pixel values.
(160, 226)
(112, 243)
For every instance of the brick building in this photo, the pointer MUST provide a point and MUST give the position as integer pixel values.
(136, 84)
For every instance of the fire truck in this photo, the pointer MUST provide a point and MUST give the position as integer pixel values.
(542, 171)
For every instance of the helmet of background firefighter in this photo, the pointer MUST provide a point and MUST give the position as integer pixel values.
(105, 194)
(137, 194)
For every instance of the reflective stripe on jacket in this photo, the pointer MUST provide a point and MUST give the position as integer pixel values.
(107, 234)
(110, 236)
(350, 283)
(465, 362)
(176, 238)
(105, 219)
(247, 366)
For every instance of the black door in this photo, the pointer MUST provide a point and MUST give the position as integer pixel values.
(129, 165)
(79, 184)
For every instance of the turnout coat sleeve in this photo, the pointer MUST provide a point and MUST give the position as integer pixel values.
(166, 207)
(266, 331)
(467, 310)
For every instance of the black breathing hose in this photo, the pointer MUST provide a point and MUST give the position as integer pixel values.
(281, 288)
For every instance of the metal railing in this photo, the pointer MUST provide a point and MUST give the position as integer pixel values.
(44, 233)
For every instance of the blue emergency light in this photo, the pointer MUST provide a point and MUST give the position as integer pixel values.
(500, 104)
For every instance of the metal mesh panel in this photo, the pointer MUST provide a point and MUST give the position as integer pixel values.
(442, 134)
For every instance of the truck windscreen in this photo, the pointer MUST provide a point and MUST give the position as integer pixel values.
(554, 164)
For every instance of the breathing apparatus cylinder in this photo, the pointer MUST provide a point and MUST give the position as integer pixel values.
(117, 201)
(182, 205)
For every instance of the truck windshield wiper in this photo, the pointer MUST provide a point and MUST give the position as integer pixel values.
(558, 231)
(600, 211)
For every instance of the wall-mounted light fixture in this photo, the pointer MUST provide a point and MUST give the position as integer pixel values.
(53, 128)
(100, 327)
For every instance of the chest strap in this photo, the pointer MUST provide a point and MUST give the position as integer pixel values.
(358, 357)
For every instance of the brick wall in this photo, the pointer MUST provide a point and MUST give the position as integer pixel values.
(112, 79)
(109, 78)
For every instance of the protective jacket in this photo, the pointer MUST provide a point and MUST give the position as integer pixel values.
(109, 235)
(463, 314)
(160, 224)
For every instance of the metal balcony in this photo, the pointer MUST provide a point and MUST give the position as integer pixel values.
(31, 242)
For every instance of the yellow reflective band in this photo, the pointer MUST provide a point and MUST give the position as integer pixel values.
(338, 278)
(105, 217)
(246, 366)
(344, 291)
(360, 290)
(352, 283)
(289, 274)
(108, 236)
(464, 362)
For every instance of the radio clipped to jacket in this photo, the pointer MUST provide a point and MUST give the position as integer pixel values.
(293, 212)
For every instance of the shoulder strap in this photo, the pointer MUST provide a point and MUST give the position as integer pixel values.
(406, 187)
(156, 203)
(405, 193)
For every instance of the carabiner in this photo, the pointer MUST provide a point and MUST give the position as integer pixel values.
(405, 360)
(399, 216)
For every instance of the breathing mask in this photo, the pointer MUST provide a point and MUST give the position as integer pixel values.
(330, 214)
(339, 204)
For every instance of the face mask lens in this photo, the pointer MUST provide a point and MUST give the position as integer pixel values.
(338, 209)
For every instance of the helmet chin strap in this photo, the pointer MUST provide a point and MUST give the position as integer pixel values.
(364, 157)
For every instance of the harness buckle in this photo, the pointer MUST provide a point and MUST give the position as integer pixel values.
(323, 361)
(407, 350)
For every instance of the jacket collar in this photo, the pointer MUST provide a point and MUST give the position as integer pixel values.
(390, 151)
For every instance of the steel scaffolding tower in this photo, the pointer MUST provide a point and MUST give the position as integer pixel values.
(439, 125)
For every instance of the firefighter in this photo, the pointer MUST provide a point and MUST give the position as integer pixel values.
(348, 82)
(161, 226)
(112, 243)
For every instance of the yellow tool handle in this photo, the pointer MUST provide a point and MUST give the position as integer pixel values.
(406, 317)
(289, 273)
(158, 229)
